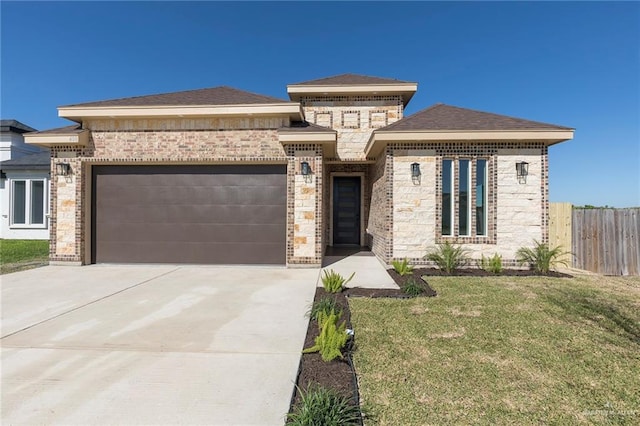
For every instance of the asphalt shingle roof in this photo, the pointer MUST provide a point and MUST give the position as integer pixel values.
(447, 117)
(66, 129)
(15, 126)
(350, 79)
(221, 95)
(40, 160)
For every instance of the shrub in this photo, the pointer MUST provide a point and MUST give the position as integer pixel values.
(492, 264)
(320, 406)
(333, 282)
(541, 258)
(448, 257)
(332, 338)
(327, 305)
(402, 267)
(412, 288)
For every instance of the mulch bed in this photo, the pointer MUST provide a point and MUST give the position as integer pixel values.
(339, 374)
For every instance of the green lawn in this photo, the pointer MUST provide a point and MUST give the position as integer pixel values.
(18, 254)
(503, 351)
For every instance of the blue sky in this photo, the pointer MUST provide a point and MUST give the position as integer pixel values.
(574, 64)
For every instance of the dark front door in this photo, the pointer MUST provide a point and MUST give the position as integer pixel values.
(346, 211)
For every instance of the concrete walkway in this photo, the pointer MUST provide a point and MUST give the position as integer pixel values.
(152, 344)
(370, 272)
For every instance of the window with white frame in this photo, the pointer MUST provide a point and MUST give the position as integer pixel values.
(464, 197)
(28, 202)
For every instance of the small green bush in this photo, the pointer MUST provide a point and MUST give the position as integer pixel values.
(541, 258)
(333, 282)
(412, 288)
(402, 267)
(448, 257)
(492, 264)
(320, 406)
(332, 338)
(327, 305)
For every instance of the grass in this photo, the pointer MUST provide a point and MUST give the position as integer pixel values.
(502, 350)
(18, 254)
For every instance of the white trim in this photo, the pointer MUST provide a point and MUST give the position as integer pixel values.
(306, 137)
(361, 175)
(77, 113)
(51, 139)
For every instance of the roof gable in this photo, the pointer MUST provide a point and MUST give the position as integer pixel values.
(349, 79)
(447, 117)
(221, 95)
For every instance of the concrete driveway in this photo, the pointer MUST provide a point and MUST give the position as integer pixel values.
(152, 344)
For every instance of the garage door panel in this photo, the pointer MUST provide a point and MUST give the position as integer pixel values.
(205, 233)
(205, 214)
(189, 214)
(202, 195)
(198, 253)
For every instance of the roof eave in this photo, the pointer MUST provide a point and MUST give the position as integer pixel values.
(326, 139)
(379, 139)
(74, 138)
(78, 113)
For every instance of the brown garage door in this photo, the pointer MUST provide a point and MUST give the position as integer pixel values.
(189, 214)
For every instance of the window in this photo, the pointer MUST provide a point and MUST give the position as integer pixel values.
(461, 205)
(447, 198)
(28, 202)
(481, 197)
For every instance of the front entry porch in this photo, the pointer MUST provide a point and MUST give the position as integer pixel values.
(370, 272)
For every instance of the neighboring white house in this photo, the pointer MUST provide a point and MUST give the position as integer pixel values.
(24, 185)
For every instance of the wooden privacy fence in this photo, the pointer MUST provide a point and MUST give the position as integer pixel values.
(606, 241)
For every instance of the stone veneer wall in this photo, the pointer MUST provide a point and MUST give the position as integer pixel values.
(305, 242)
(517, 212)
(353, 117)
(67, 221)
(178, 141)
(414, 203)
(380, 222)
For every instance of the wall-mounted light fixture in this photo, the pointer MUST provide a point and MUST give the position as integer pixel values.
(305, 169)
(522, 170)
(415, 173)
(63, 169)
(3, 175)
